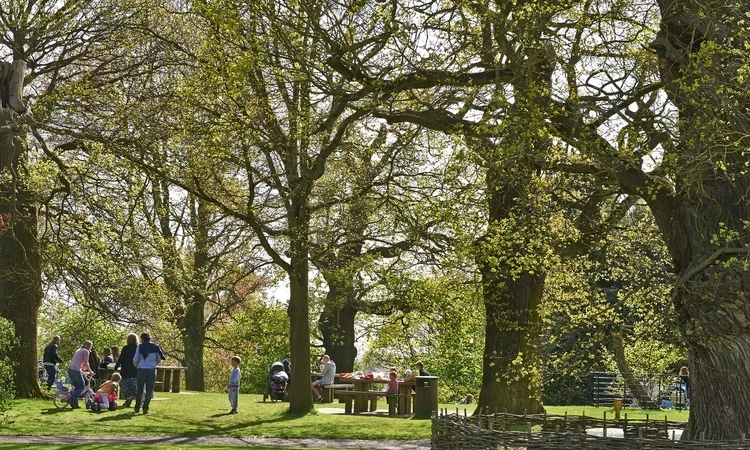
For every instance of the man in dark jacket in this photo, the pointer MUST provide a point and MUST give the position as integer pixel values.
(422, 372)
(50, 360)
(287, 363)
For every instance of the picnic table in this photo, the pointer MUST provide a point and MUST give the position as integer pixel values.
(363, 385)
(167, 377)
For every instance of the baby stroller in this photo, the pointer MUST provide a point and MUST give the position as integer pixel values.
(277, 383)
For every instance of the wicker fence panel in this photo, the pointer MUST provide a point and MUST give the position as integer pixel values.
(454, 431)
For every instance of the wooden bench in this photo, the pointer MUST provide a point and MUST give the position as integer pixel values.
(361, 399)
(328, 391)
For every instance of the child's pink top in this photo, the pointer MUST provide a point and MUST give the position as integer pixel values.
(80, 357)
(393, 386)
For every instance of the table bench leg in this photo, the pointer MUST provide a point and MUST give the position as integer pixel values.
(373, 403)
(176, 381)
(348, 404)
(391, 405)
(360, 403)
(167, 380)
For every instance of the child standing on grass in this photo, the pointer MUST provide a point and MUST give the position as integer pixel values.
(233, 388)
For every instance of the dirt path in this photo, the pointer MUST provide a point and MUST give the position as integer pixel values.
(217, 440)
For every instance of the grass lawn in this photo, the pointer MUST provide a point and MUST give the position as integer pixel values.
(671, 414)
(204, 414)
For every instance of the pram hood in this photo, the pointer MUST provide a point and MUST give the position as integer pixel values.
(276, 366)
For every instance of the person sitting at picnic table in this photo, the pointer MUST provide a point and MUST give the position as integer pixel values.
(468, 400)
(328, 369)
(107, 360)
(392, 386)
(420, 367)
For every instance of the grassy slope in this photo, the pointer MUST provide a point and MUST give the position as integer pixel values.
(205, 415)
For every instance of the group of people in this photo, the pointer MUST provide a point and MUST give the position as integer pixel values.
(135, 369)
(328, 372)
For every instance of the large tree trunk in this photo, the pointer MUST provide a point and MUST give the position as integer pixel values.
(193, 325)
(510, 378)
(336, 324)
(702, 52)
(193, 339)
(20, 258)
(300, 398)
(512, 298)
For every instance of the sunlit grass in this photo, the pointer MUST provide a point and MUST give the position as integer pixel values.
(205, 414)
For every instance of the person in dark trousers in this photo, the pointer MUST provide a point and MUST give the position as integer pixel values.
(147, 357)
(422, 372)
(287, 363)
(127, 369)
(685, 380)
(50, 360)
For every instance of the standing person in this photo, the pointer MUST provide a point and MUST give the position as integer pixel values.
(94, 360)
(50, 360)
(328, 368)
(685, 380)
(78, 364)
(287, 363)
(115, 353)
(422, 372)
(127, 369)
(147, 357)
(233, 387)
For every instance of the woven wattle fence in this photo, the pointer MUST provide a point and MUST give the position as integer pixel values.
(453, 431)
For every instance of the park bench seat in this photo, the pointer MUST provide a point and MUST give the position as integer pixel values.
(371, 398)
(328, 391)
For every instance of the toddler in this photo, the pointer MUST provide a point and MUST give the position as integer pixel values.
(233, 388)
(108, 387)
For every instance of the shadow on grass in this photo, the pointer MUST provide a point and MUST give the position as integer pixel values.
(125, 415)
(220, 429)
(49, 411)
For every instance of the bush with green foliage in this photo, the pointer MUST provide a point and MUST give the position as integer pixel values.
(7, 388)
(75, 324)
(259, 335)
(446, 333)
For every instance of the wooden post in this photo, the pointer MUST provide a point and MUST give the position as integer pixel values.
(604, 432)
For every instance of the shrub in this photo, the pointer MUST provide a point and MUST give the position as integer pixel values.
(7, 387)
